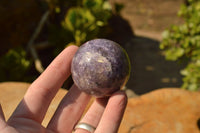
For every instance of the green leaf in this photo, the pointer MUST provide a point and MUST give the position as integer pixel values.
(165, 34)
(14, 65)
(174, 54)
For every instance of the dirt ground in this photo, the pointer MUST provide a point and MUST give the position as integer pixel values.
(151, 15)
(147, 20)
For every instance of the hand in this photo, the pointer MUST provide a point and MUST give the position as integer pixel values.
(104, 114)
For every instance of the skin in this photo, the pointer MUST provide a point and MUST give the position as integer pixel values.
(105, 114)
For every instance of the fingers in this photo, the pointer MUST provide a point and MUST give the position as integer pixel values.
(69, 111)
(72, 106)
(2, 119)
(41, 92)
(113, 113)
(105, 119)
(94, 114)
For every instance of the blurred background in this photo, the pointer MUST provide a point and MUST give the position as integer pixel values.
(161, 37)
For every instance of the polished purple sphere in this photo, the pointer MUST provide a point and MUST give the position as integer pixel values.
(100, 67)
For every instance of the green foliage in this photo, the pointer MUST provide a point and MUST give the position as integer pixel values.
(70, 22)
(182, 42)
(84, 21)
(80, 22)
(14, 65)
(191, 76)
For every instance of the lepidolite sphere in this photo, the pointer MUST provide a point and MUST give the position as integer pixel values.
(100, 67)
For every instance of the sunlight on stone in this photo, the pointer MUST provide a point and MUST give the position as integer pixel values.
(165, 80)
(169, 80)
(149, 68)
(174, 80)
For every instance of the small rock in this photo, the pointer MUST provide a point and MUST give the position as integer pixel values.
(100, 67)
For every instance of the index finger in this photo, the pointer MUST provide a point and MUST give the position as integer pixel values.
(39, 95)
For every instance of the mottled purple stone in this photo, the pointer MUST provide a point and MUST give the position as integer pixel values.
(100, 67)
